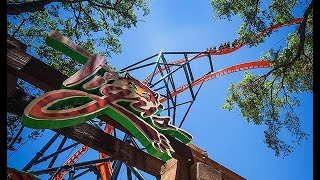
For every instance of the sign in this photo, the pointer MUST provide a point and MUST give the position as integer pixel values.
(13, 174)
(95, 90)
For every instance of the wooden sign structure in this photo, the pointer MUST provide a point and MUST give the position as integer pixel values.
(189, 158)
(95, 90)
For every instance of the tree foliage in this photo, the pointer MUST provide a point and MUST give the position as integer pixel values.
(94, 25)
(270, 99)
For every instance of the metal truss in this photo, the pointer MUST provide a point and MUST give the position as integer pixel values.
(161, 78)
(75, 168)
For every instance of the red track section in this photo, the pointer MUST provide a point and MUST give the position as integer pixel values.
(228, 70)
(227, 50)
(73, 159)
(104, 168)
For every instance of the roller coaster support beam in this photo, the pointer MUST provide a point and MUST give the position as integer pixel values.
(55, 153)
(116, 170)
(129, 174)
(40, 153)
(155, 68)
(136, 173)
(82, 173)
(93, 168)
(71, 173)
(63, 141)
(67, 167)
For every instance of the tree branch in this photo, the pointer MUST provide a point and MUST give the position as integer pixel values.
(18, 29)
(86, 14)
(309, 59)
(33, 6)
(302, 33)
(288, 102)
(76, 20)
(256, 8)
(125, 15)
(103, 16)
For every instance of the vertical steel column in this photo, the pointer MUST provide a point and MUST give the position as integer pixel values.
(210, 61)
(40, 153)
(185, 115)
(93, 167)
(168, 90)
(71, 173)
(174, 88)
(129, 175)
(136, 173)
(155, 68)
(187, 76)
(116, 171)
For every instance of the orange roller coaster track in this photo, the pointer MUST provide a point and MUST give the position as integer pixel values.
(228, 70)
(229, 50)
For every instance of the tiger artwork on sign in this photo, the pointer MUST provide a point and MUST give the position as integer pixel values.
(93, 91)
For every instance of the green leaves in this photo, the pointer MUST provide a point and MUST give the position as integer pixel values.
(255, 17)
(91, 24)
(249, 96)
(269, 99)
(265, 102)
(282, 10)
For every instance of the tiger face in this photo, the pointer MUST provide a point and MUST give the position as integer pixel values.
(144, 99)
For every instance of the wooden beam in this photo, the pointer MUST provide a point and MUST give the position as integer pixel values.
(38, 74)
(31, 69)
(11, 85)
(41, 75)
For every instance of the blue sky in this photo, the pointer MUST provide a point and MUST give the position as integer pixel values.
(231, 141)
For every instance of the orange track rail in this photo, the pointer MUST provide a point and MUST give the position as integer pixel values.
(228, 70)
(106, 167)
(227, 50)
